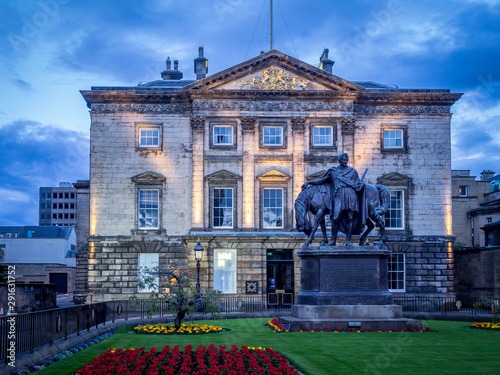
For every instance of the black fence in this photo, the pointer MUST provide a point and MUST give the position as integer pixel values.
(23, 333)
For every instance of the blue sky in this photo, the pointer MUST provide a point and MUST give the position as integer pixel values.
(51, 49)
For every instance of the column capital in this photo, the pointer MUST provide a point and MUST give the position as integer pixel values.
(348, 123)
(298, 124)
(248, 123)
(198, 123)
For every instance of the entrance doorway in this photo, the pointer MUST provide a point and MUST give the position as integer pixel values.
(280, 278)
(61, 281)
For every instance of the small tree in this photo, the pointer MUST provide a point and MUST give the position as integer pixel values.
(174, 286)
(488, 304)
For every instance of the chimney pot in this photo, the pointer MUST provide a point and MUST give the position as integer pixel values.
(176, 64)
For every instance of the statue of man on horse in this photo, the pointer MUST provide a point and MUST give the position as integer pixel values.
(350, 203)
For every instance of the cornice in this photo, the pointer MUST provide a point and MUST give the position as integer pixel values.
(273, 105)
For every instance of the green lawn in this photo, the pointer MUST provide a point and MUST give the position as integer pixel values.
(450, 348)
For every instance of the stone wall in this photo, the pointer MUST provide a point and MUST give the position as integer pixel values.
(478, 272)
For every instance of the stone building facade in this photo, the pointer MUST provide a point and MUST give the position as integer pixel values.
(222, 159)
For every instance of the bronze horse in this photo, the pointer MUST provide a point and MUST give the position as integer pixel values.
(312, 199)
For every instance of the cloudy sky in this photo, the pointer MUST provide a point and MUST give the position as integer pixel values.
(51, 49)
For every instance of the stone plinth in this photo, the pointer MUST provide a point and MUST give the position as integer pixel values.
(346, 287)
(344, 275)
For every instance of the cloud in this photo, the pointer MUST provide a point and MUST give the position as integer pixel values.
(35, 155)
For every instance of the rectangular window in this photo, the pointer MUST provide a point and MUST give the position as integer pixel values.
(54, 216)
(272, 207)
(72, 206)
(149, 203)
(61, 195)
(54, 195)
(225, 270)
(149, 137)
(222, 208)
(396, 265)
(462, 191)
(66, 195)
(394, 218)
(393, 138)
(272, 136)
(61, 205)
(66, 206)
(72, 195)
(322, 136)
(222, 135)
(54, 206)
(145, 263)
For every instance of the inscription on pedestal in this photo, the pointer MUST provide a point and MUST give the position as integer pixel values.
(343, 274)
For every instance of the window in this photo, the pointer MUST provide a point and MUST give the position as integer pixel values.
(54, 216)
(71, 216)
(72, 206)
(66, 206)
(322, 136)
(149, 136)
(72, 195)
(462, 191)
(61, 195)
(225, 270)
(54, 206)
(146, 262)
(61, 205)
(222, 135)
(54, 195)
(272, 135)
(393, 138)
(222, 206)
(396, 265)
(489, 219)
(394, 218)
(149, 202)
(66, 195)
(272, 208)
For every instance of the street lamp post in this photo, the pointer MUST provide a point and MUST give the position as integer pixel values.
(198, 255)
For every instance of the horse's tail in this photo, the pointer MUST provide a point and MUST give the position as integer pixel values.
(301, 216)
(385, 199)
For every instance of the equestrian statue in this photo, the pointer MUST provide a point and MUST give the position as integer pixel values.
(349, 201)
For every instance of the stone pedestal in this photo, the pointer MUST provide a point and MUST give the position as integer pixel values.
(346, 287)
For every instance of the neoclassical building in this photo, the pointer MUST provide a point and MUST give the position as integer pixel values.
(221, 160)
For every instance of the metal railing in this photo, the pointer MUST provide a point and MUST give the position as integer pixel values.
(28, 331)
(40, 328)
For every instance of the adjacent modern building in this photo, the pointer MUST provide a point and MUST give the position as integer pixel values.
(222, 159)
(58, 205)
(41, 254)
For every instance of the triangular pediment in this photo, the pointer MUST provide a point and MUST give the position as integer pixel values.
(148, 178)
(273, 175)
(222, 175)
(394, 179)
(274, 71)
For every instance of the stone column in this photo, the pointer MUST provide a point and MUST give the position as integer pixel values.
(298, 128)
(197, 127)
(248, 127)
(348, 125)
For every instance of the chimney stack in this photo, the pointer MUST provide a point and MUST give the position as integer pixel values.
(325, 63)
(200, 65)
(486, 175)
(170, 74)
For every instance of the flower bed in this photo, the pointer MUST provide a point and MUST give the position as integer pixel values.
(202, 361)
(185, 329)
(63, 354)
(492, 326)
(277, 327)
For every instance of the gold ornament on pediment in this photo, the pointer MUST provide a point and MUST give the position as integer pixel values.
(274, 79)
